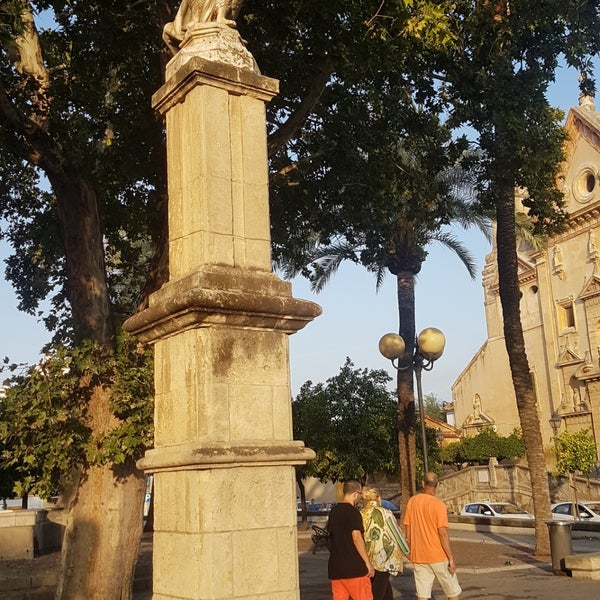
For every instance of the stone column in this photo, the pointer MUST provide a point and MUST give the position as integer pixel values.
(223, 462)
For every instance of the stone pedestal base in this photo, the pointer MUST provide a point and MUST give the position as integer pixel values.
(227, 533)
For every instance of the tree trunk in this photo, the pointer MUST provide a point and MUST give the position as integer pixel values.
(406, 397)
(102, 534)
(104, 523)
(84, 251)
(105, 520)
(304, 523)
(519, 365)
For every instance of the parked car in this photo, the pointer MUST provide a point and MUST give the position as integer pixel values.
(495, 509)
(588, 511)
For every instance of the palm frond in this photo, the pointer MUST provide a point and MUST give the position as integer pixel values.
(326, 260)
(379, 270)
(453, 243)
(526, 232)
(467, 216)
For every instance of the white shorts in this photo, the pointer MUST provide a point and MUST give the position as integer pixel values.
(425, 575)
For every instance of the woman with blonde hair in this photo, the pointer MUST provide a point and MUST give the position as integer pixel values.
(384, 541)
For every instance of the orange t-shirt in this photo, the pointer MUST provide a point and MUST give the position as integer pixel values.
(425, 514)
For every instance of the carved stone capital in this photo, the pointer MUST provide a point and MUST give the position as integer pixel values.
(214, 42)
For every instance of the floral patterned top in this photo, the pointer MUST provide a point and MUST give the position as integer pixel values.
(383, 549)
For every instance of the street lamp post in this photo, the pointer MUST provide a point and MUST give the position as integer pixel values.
(429, 346)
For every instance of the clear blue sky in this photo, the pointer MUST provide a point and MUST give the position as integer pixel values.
(354, 315)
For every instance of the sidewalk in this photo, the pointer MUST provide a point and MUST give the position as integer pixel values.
(490, 566)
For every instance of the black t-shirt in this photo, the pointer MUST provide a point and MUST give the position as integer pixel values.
(344, 560)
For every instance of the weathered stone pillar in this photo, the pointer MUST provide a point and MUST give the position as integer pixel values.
(225, 510)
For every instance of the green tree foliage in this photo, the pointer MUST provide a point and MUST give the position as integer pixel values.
(575, 452)
(496, 76)
(45, 429)
(479, 449)
(82, 173)
(350, 422)
(434, 453)
(90, 120)
(401, 250)
(369, 129)
(432, 406)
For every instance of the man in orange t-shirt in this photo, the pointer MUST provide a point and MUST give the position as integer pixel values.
(426, 521)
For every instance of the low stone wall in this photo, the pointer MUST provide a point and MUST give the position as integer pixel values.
(584, 566)
(507, 484)
(491, 525)
(16, 534)
(26, 533)
(491, 482)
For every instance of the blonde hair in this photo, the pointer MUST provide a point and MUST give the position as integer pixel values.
(370, 495)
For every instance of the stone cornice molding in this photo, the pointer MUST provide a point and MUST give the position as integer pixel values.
(222, 296)
(199, 71)
(582, 220)
(527, 273)
(214, 455)
(591, 289)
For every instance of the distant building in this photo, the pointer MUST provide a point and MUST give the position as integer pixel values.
(560, 312)
(446, 433)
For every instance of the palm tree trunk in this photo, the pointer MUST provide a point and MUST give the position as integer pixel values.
(519, 365)
(406, 396)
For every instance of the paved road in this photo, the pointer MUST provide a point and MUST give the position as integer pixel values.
(491, 566)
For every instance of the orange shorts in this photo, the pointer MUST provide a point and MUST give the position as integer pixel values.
(359, 588)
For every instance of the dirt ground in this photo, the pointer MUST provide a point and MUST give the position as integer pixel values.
(35, 579)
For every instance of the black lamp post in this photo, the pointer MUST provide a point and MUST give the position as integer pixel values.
(429, 346)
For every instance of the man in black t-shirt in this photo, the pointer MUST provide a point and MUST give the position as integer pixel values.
(349, 567)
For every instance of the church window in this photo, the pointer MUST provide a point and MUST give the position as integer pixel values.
(590, 183)
(585, 184)
(566, 316)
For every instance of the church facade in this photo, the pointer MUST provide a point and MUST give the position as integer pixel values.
(560, 313)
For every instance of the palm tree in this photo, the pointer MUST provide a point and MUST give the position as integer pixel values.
(403, 254)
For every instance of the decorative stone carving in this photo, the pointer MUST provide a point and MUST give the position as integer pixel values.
(476, 407)
(215, 43)
(592, 249)
(193, 13)
(478, 420)
(591, 288)
(592, 245)
(558, 267)
(568, 355)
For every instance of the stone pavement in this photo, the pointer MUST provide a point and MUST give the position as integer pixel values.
(490, 566)
(517, 581)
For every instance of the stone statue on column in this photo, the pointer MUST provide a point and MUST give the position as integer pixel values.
(193, 13)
